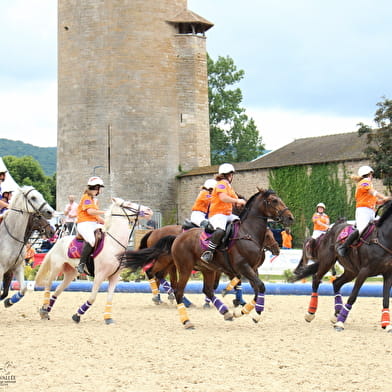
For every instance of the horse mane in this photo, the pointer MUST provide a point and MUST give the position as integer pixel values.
(249, 203)
(387, 212)
(108, 218)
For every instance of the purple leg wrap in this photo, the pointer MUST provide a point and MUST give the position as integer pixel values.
(338, 303)
(166, 286)
(51, 303)
(84, 308)
(16, 298)
(207, 300)
(219, 305)
(344, 313)
(259, 307)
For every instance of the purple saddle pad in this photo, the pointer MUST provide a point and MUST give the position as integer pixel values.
(76, 246)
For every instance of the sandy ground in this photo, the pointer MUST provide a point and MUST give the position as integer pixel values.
(147, 349)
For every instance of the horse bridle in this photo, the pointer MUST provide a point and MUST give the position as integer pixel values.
(280, 213)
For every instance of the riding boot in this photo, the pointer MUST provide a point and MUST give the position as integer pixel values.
(86, 252)
(343, 248)
(215, 240)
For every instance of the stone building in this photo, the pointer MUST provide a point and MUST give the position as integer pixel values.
(132, 98)
(345, 149)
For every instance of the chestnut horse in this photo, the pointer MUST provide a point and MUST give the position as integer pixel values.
(373, 257)
(240, 260)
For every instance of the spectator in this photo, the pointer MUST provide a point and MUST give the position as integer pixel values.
(29, 256)
(287, 239)
(70, 214)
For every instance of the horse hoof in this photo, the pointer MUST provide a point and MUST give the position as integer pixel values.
(256, 317)
(224, 292)
(388, 328)
(108, 321)
(156, 300)
(44, 314)
(228, 316)
(237, 302)
(339, 326)
(171, 297)
(334, 319)
(7, 303)
(309, 317)
(206, 306)
(238, 313)
(188, 325)
(76, 318)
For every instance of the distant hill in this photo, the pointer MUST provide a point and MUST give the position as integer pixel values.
(46, 156)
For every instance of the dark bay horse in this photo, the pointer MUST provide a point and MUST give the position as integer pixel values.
(240, 260)
(36, 223)
(373, 257)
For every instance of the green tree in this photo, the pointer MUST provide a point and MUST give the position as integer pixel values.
(379, 142)
(234, 136)
(27, 171)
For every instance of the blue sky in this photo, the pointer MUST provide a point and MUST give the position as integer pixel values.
(311, 67)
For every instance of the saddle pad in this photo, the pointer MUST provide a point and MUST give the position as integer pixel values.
(345, 233)
(76, 246)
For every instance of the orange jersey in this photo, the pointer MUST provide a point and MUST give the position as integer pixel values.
(320, 218)
(202, 202)
(286, 240)
(363, 195)
(217, 206)
(87, 202)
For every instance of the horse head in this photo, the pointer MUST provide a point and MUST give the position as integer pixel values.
(40, 224)
(28, 199)
(271, 206)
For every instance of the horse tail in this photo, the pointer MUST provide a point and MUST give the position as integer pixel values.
(304, 272)
(135, 259)
(143, 241)
(43, 271)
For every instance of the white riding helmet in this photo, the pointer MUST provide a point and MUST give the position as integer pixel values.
(321, 205)
(92, 181)
(364, 170)
(209, 184)
(226, 168)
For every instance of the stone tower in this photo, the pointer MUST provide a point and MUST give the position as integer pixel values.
(132, 98)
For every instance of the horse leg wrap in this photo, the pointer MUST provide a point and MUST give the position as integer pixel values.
(84, 308)
(153, 286)
(338, 303)
(313, 303)
(166, 286)
(16, 297)
(186, 302)
(108, 311)
(248, 307)
(183, 313)
(222, 308)
(259, 307)
(46, 298)
(344, 313)
(238, 293)
(230, 286)
(385, 318)
(51, 303)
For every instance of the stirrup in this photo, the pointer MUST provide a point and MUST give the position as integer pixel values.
(207, 256)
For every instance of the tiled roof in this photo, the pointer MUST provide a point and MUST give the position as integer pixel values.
(188, 16)
(312, 150)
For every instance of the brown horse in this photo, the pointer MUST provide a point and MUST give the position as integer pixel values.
(373, 257)
(239, 260)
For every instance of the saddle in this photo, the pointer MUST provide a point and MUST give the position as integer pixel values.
(227, 242)
(76, 246)
(346, 231)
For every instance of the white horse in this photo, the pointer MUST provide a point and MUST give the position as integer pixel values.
(25, 202)
(106, 264)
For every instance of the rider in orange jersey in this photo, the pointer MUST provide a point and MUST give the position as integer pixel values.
(221, 207)
(201, 206)
(320, 221)
(366, 198)
(89, 218)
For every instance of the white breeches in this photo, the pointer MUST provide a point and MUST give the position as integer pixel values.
(219, 221)
(197, 217)
(363, 216)
(86, 230)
